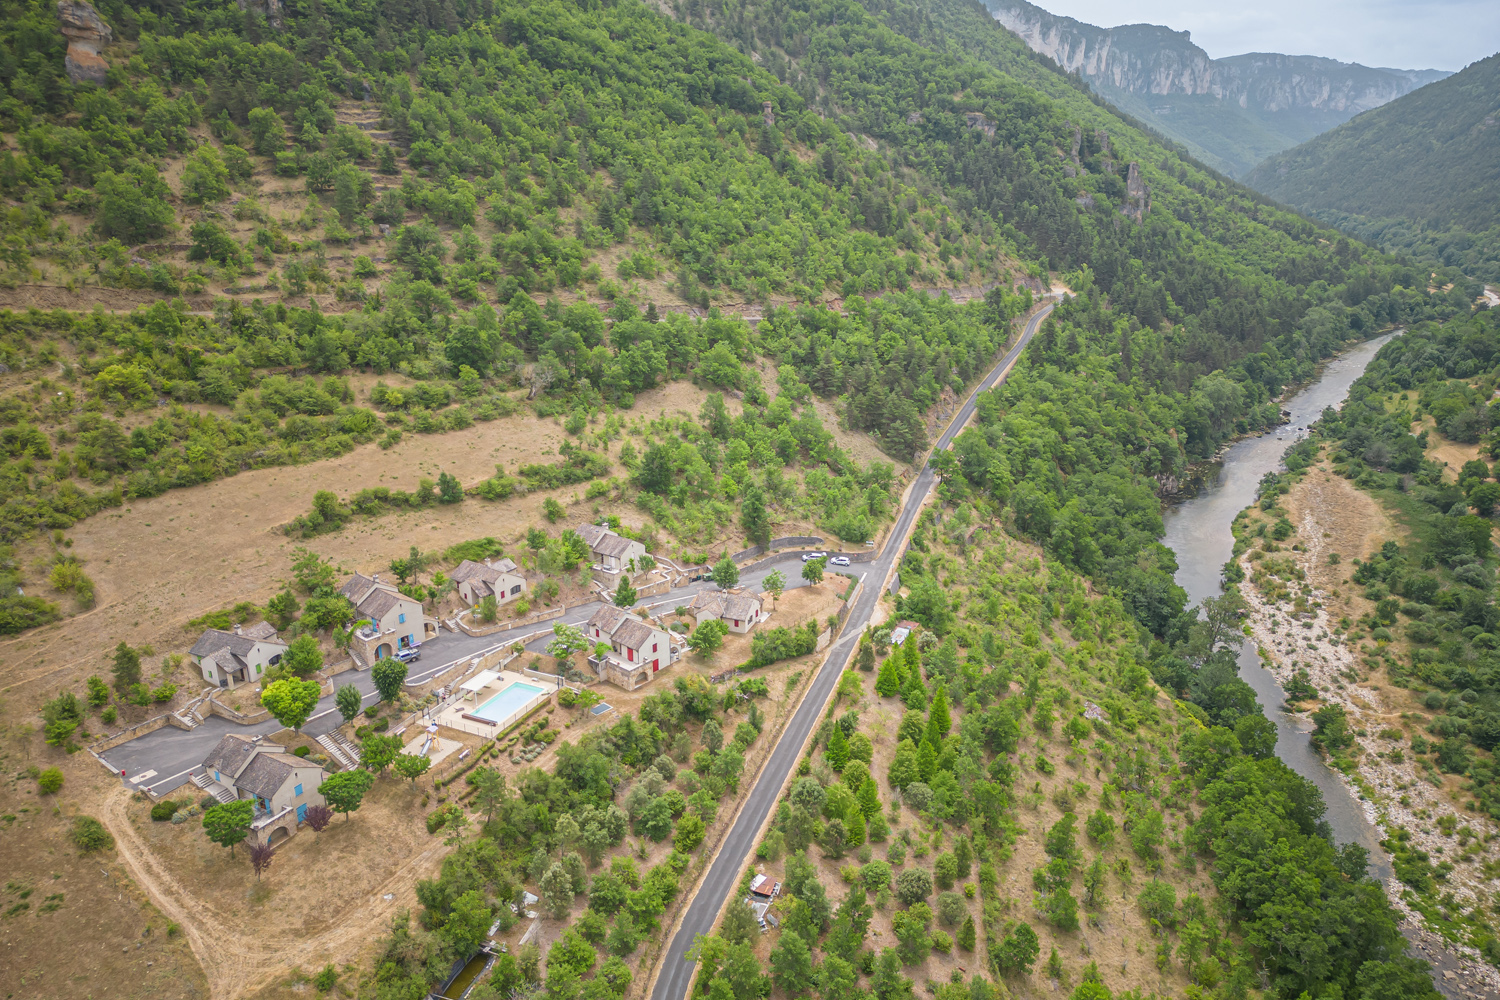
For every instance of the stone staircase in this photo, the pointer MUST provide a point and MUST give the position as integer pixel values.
(204, 782)
(346, 754)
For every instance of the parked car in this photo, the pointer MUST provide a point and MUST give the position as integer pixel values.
(839, 561)
(409, 655)
(809, 556)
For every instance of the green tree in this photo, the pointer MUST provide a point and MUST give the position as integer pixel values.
(775, 585)
(348, 700)
(50, 781)
(205, 178)
(966, 936)
(229, 823)
(726, 574)
(267, 131)
(625, 596)
(449, 488)
(302, 658)
(127, 669)
(1017, 951)
(838, 749)
(552, 510)
(888, 680)
(812, 571)
(913, 886)
(133, 203)
(567, 640)
(468, 923)
(557, 890)
(291, 701)
(389, 675)
(753, 516)
(412, 765)
(939, 721)
(489, 791)
(281, 609)
(791, 964)
(379, 752)
(708, 638)
(346, 790)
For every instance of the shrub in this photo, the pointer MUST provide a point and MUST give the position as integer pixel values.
(89, 835)
(301, 752)
(163, 810)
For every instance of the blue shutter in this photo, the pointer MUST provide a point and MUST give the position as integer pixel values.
(401, 619)
(297, 791)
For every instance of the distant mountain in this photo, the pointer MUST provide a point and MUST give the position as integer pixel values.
(1420, 174)
(1232, 112)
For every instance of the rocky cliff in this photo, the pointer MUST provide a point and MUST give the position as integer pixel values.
(87, 34)
(1151, 59)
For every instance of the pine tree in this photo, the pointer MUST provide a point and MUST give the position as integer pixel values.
(903, 769)
(939, 721)
(838, 749)
(966, 934)
(927, 761)
(914, 692)
(866, 654)
(854, 824)
(876, 828)
(868, 798)
(963, 853)
(888, 681)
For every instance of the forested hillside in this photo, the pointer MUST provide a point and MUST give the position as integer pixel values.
(533, 183)
(1420, 175)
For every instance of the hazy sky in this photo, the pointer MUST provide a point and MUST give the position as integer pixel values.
(1404, 34)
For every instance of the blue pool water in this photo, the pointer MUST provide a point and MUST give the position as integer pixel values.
(508, 702)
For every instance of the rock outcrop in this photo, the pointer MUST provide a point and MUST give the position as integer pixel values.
(87, 34)
(1148, 59)
(270, 9)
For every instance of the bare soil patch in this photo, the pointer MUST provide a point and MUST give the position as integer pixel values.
(77, 926)
(323, 900)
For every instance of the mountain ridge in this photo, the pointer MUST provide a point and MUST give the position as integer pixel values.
(1233, 111)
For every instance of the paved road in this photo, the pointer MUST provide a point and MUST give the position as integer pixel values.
(729, 864)
(165, 759)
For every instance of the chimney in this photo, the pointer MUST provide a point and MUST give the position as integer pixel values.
(486, 561)
(237, 630)
(375, 578)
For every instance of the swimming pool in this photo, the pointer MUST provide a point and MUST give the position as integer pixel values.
(508, 702)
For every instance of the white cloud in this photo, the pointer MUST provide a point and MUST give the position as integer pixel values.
(1440, 34)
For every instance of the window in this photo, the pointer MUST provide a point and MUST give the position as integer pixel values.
(297, 791)
(401, 618)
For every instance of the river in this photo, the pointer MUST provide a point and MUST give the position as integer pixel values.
(1198, 531)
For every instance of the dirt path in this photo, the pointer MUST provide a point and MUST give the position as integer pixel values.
(236, 959)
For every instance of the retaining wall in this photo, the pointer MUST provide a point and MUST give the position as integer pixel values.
(139, 729)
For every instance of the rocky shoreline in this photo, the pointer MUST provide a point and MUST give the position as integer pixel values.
(1390, 787)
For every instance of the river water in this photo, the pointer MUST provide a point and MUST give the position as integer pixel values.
(1197, 530)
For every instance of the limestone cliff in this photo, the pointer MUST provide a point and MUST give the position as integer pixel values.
(87, 34)
(1151, 59)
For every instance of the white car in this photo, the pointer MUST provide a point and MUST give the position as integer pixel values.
(810, 556)
(839, 561)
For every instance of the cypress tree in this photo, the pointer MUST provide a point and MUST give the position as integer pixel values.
(915, 692)
(939, 720)
(927, 761)
(888, 681)
(868, 797)
(838, 750)
(854, 823)
(966, 934)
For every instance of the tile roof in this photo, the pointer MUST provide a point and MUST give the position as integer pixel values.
(633, 633)
(358, 586)
(613, 545)
(592, 534)
(709, 600)
(259, 631)
(378, 603)
(471, 570)
(215, 641)
(267, 773)
(741, 606)
(229, 755)
(607, 618)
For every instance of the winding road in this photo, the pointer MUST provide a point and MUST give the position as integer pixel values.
(729, 863)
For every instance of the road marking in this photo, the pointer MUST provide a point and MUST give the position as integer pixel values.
(142, 777)
(167, 779)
